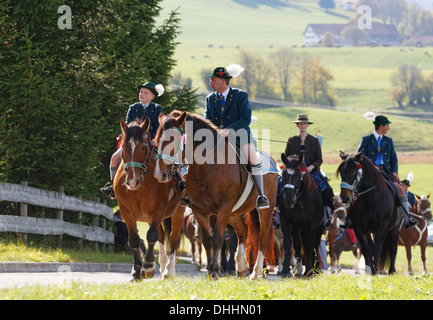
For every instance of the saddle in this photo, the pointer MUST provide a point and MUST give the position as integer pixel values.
(389, 179)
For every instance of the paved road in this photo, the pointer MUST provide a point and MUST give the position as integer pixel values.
(62, 274)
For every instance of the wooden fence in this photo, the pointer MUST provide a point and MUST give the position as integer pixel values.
(26, 195)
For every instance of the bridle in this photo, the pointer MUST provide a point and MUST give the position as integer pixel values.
(291, 186)
(354, 186)
(175, 165)
(142, 165)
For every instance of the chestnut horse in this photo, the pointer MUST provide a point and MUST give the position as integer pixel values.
(372, 209)
(142, 198)
(216, 181)
(417, 235)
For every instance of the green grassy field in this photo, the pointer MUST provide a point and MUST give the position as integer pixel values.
(328, 287)
(362, 75)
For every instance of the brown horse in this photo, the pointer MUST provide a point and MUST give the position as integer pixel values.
(216, 181)
(338, 214)
(142, 198)
(190, 227)
(417, 235)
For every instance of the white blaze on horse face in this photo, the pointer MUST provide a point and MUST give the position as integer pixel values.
(132, 182)
(290, 171)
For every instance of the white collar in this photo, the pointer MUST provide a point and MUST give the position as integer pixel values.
(376, 135)
(226, 93)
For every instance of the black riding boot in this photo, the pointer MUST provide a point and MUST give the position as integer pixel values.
(108, 188)
(409, 222)
(262, 202)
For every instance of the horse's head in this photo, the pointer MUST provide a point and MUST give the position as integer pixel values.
(291, 179)
(423, 207)
(136, 151)
(350, 177)
(171, 139)
(339, 207)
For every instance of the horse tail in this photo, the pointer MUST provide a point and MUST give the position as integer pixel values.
(253, 223)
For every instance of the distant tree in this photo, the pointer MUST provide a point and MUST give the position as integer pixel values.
(313, 82)
(327, 4)
(398, 94)
(328, 40)
(409, 78)
(284, 62)
(256, 76)
(355, 34)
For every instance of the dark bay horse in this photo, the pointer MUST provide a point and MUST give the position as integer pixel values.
(417, 235)
(142, 198)
(215, 182)
(372, 209)
(301, 214)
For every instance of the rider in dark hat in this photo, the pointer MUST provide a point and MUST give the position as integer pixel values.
(310, 147)
(139, 110)
(229, 109)
(379, 148)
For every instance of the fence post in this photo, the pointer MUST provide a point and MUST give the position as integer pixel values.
(59, 215)
(23, 212)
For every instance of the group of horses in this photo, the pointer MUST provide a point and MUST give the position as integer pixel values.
(147, 189)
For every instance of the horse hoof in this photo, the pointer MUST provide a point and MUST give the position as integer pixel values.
(243, 274)
(167, 276)
(215, 275)
(148, 273)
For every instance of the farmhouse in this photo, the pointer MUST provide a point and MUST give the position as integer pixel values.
(380, 34)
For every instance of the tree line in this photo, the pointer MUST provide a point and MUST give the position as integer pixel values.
(64, 90)
(292, 76)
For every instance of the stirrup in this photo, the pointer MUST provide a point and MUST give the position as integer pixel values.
(108, 191)
(262, 202)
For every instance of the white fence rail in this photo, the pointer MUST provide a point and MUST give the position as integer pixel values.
(26, 195)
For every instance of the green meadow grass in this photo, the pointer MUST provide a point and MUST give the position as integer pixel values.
(362, 75)
(326, 287)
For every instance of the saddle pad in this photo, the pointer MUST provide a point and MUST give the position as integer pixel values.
(268, 166)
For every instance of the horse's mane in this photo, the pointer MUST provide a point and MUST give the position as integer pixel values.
(198, 122)
(309, 183)
(133, 132)
(369, 170)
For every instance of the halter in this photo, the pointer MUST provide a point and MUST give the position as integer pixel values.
(354, 186)
(141, 165)
(175, 165)
(291, 186)
(422, 212)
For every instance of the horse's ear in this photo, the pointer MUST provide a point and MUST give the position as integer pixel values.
(284, 158)
(300, 158)
(428, 195)
(358, 156)
(161, 117)
(123, 125)
(145, 125)
(343, 155)
(181, 119)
